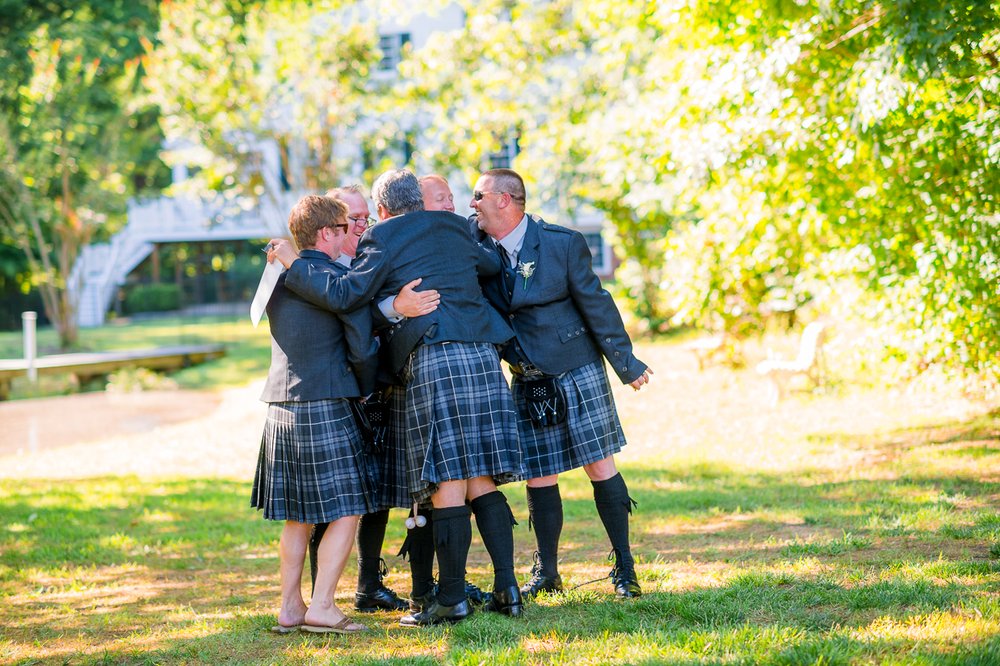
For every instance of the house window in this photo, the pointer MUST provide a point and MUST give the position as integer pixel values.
(503, 158)
(391, 47)
(599, 251)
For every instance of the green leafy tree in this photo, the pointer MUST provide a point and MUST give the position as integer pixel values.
(228, 83)
(72, 143)
(750, 153)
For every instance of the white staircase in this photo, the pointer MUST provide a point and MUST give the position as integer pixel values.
(103, 267)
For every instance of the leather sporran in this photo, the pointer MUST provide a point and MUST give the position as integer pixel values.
(372, 418)
(545, 400)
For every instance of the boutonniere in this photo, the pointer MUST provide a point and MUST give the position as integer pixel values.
(526, 270)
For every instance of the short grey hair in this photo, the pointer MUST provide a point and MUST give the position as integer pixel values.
(339, 192)
(398, 191)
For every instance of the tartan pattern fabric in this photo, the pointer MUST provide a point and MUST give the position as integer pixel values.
(388, 466)
(460, 419)
(311, 467)
(591, 431)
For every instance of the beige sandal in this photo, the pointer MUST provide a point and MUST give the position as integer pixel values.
(345, 626)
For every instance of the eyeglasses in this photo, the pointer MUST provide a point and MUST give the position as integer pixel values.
(478, 196)
(340, 225)
(362, 220)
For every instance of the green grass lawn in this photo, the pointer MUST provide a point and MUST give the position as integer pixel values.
(837, 540)
(892, 564)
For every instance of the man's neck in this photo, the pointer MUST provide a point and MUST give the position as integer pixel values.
(508, 227)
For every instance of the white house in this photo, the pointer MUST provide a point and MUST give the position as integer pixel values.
(103, 268)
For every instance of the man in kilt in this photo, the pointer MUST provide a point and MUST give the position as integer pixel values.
(372, 594)
(311, 467)
(565, 325)
(461, 430)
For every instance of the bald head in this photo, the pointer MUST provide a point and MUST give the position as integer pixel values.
(436, 193)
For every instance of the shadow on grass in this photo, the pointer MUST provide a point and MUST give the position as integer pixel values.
(761, 619)
(869, 554)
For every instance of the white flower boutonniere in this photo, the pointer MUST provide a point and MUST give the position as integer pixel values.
(526, 270)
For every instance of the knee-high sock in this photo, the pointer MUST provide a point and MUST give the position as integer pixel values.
(495, 521)
(452, 537)
(418, 547)
(614, 506)
(371, 534)
(319, 529)
(545, 511)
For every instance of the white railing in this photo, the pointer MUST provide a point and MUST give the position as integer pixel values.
(103, 267)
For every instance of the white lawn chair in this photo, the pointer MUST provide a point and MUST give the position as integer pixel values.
(807, 363)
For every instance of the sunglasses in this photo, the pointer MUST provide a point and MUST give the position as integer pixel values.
(478, 196)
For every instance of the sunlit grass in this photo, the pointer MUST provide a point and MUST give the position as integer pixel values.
(760, 569)
(830, 530)
(247, 350)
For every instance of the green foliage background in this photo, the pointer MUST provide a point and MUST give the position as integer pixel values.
(835, 157)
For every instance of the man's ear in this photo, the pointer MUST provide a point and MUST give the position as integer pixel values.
(383, 212)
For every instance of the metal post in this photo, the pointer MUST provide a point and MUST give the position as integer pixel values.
(28, 320)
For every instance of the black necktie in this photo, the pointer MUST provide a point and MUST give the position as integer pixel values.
(508, 272)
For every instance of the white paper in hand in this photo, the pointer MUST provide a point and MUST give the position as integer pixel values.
(267, 281)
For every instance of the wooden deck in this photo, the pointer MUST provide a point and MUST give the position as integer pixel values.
(86, 365)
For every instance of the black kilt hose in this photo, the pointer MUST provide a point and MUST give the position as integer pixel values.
(460, 419)
(590, 432)
(388, 465)
(312, 466)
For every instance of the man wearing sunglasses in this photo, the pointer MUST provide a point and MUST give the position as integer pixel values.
(461, 431)
(565, 326)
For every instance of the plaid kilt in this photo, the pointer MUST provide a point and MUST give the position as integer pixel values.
(311, 467)
(460, 419)
(591, 431)
(387, 467)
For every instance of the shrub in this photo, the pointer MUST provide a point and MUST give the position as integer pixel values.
(153, 298)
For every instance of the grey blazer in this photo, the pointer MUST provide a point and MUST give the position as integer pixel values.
(316, 354)
(562, 317)
(433, 245)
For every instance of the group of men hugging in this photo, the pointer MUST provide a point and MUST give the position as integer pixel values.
(385, 390)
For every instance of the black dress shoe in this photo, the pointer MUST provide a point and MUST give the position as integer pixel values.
(507, 601)
(421, 602)
(381, 599)
(473, 593)
(540, 583)
(476, 596)
(625, 581)
(438, 614)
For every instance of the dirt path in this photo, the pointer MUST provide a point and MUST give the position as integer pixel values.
(685, 414)
(157, 433)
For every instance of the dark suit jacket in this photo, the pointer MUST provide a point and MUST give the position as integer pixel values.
(433, 245)
(561, 315)
(316, 354)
